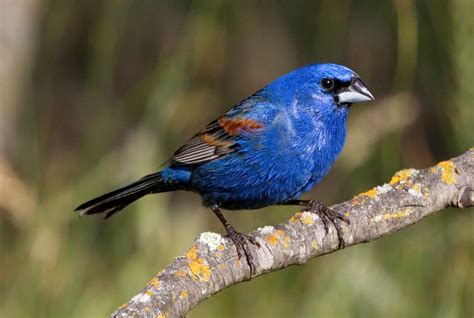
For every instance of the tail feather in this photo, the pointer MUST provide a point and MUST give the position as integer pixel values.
(112, 202)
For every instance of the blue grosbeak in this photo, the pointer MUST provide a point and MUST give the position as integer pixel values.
(269, 149)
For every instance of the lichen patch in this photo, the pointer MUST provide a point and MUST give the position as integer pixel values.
(180, 273)
(142, 298)
(308, 218)
(155, 282)
(447, 171)
(390, 216)
(272, 239)
(267, 229)
(198, 266)
(397, 215)
(200, 270)
(384, 188)
(415, 190)
(371, 193)
(191, 254)
(314, 245)
(403, 176)
(211, 240)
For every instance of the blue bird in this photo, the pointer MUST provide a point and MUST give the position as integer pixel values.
(269, 149)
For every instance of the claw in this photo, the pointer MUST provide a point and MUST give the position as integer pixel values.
(241, 242)
(328, 215)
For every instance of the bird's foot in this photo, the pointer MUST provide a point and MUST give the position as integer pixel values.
(241, 242)
(328, 215)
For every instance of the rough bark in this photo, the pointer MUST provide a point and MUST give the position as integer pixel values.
(211, 263)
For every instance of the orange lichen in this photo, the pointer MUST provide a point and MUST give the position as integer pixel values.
(180, 273)
(183, 294)
(447, 171)
(402, 176)
(271, 238)
(276, 237)
(235, 125)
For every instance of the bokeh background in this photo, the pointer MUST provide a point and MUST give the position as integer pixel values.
(94, 94)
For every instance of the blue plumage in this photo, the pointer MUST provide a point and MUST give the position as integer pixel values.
(269, 149)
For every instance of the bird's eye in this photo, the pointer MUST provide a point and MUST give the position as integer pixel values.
(327, 84)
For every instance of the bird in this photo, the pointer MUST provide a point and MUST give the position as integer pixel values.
(267, 150)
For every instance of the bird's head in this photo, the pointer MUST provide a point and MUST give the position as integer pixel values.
(328, 86)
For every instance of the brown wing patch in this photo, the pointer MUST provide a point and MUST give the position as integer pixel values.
(234, 126)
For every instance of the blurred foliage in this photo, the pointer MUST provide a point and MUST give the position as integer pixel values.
(115, 86)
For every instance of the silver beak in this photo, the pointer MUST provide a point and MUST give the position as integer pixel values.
(356, 92)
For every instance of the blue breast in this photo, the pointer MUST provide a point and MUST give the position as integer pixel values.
(291, 156)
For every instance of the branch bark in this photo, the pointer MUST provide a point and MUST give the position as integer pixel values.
(212, 264)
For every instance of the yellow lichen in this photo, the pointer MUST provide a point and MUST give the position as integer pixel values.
(295, 217)
(155, 282)
(402, 176)
(197, 265)
(192, 253)
(307, 219)
(161, 316)
(355, 200)
(314, 245)
(417, 187)
(397, 215)
(220, 248)
(447, 171)
(286, 241)
(371, 193)
(122, 306)
(200, 269)
(183, 294)
(149, 293)
(147, 309)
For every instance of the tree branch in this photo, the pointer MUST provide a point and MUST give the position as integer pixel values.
(212, 264)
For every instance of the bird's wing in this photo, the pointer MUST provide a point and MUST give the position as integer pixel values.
(216, 140)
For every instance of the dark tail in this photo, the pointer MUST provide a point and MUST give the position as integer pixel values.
(112, 202)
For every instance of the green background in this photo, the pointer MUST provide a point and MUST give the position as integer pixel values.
(111, 88)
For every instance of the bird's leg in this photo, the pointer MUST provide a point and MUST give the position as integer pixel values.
(240, 240)
(326, 214)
